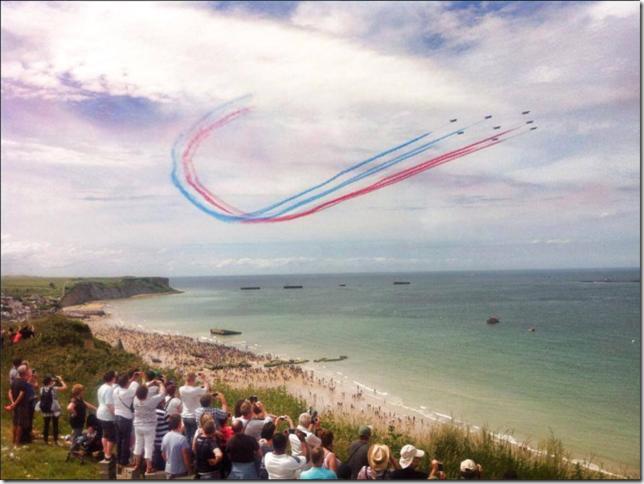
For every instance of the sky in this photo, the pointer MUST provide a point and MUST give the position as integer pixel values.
(94, 95)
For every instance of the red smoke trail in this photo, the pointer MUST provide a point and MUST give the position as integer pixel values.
(391, 179)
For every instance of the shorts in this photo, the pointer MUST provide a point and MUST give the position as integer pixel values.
(144, 441)
(109, 430)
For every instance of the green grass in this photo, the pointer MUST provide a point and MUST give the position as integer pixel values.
(67, 347)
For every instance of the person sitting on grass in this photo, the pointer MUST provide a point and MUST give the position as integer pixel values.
(470, 470)
(145, 422)
(317, 471)
(50, 406)
(207, 452)
(77, 409)
(176, 450)
(279, 464)
(410, 457)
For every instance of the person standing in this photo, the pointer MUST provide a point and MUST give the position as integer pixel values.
(190, 395)
(50, 406)
(243, 452)
(357, 454)
(123, 396)
(105, 414)
(176, 450)
(20, 403)
(145, 422)
(317, 471)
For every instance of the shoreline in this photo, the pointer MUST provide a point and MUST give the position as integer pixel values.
(318, 387)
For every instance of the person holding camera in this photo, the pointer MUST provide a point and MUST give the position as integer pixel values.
(145, 423)
(437, 472)
(123, 394)
(280, 465)
(303, 436)
(190, 395)
(50, 406)
(206, 408)
(258, 419)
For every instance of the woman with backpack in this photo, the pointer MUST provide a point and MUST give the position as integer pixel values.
(77, 409)
(50, 406)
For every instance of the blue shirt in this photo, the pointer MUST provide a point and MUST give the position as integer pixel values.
(172, 446)
(315, 473)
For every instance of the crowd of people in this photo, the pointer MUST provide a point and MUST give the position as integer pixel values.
(151, 423)
(13, 335)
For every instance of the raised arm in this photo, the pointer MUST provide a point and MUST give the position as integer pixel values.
(62, 386)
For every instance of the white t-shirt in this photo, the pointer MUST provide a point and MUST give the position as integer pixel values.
(123, 398)
(190, 397)
(283, 466)
(145, 413)
(296, 444)
(105, 398)
(172, 405)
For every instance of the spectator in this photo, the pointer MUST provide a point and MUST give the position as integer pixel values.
(145, 422)
(330, 462)
(225, 430)
(207, 408)
(379, 465)
(410, 457)
(303, 435)
(172, 402)
(77, 409)
(150, 381)
(279, 464)
(207, 453)
(50, 406)
(470, 470)
(160, 431)
(20, 403)
(13, 373)
(123, 414)
(243, 451)
(105, 414)
(176, 450)
(190, 395)
(318, 472)
(344, 472)
(245, 413)
(358, 451)
(258, 419)
(437, 472)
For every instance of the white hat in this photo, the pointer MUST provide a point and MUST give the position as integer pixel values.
(468, 465)
(407, 455)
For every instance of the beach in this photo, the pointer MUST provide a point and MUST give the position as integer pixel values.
(321, 386)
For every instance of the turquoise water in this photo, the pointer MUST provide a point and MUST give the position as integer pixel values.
(428, 344)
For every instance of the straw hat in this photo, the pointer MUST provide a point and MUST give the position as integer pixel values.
(378, 457)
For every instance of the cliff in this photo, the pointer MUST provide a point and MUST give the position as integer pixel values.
(85, 291)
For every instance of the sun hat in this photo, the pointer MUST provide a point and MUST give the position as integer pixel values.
(468, 465)
(407, 455)
(378, 457)
(364, 431)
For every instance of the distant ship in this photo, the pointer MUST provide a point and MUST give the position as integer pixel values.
(293, 287)
(493, 320)
(223, 332)
(250, 288)
(401, 283)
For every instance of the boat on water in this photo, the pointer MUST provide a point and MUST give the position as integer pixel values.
(493, 320)
(293, 287)
(224, 332)
(401, 283)
(532, 329)
(250, 288)
(327, 360)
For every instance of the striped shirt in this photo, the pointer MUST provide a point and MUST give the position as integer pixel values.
(162, 426)
(217, 414)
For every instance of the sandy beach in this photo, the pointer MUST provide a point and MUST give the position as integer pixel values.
(316, 383)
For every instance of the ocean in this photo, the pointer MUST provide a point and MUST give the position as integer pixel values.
(427, 344)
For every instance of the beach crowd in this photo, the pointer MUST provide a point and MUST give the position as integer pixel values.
(148, 422)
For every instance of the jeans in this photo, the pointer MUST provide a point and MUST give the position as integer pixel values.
(191, 428)
(123, 439)
(243, 471)
(45, 433)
